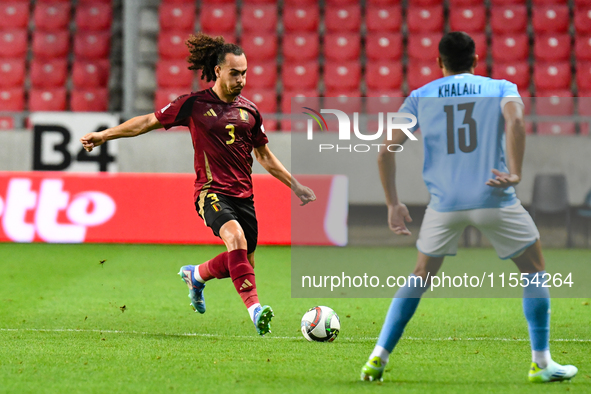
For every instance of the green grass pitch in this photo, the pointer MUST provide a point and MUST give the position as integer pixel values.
(62, 330)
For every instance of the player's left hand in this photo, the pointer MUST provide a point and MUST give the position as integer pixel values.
(503, 179)
(305, 194)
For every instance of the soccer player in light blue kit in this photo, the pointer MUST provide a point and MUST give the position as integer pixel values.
(461, 117)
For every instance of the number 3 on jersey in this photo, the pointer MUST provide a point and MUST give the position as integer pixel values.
(231, 132)
(465, 146)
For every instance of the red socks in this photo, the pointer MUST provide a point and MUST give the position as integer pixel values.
(242, 275)
(215, 268)
(233, 265)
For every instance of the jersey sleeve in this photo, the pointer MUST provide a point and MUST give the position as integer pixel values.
(259, 138)
(176, 113)
(411, 106)
(509, 93)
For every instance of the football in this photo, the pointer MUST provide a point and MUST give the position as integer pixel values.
(320, 324)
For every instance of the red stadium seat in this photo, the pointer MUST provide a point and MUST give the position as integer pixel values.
(383, 18)
(383, 101)
(481, 69)
(301, 46)
(419, 73)
(50, 73)
(171, 45)
(94, 17)
(298, 3)
(255, 2)
(481, 46)
(552, 76)
(12, 73)
(342, 46)
(262, 75)
(259, 46)
(12, 99)
(538, 3)
(51, 45)
(52, 16)
(468, 18)
(218, 17)
(554, 102)
(164, 96)
(6, 122)
(259, 18)
(348, 101)
(554, 47)
(516, 72)
(383, 74)
(174, 74)
(228, 36)
(300, 76)
(301, 18)
(90, 73)
(338, 3)
(424, 46)
(89, 100)
(92, 45)
(342, 75)
(91, 1)
(583, 20)
(460, 3)
(508, 19)
(47, 99)
(527, 102)
(556, 128)
(300, 98)
(387, 46)
(177, 16)
(551, 18)
(426, 3)
(266, 102)
(265, 99)
(584, 76)
(424, 19)
(582, 3)
(382, 3)
(583, 47)
(341, 19)
(395, 93)
(14, 15)
(13, 43)
(510, 47)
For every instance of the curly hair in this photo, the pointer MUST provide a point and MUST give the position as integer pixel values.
(206, 52)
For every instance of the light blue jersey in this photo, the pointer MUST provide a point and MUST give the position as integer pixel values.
(463, 135)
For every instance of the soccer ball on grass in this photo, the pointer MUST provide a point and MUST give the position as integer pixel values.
(320, 324)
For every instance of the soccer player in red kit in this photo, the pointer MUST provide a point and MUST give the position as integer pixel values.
(225, 128)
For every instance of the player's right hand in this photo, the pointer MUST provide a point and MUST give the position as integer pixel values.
(397, 216)
(92, 140)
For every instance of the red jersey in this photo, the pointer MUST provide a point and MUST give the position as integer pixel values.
(224, 135)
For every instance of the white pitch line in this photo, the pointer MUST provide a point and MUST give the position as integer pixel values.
(205, 335)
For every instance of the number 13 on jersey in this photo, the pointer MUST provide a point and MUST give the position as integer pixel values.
(466, 143)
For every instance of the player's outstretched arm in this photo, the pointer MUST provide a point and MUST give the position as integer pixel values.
(131, 128)
(397, 212)
(515, 137)
(274, 167)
